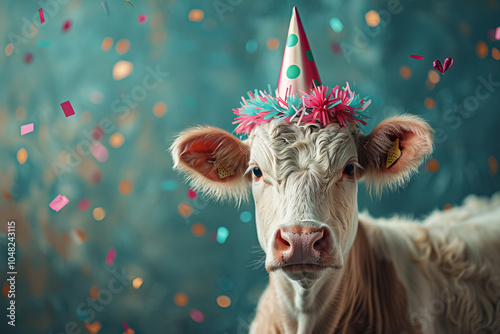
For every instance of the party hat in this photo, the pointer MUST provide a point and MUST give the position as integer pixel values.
(298, 69)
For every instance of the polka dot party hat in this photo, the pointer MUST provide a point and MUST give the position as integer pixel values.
(300, 98)
(298, 70)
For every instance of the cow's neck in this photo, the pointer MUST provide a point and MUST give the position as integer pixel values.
(363, 297)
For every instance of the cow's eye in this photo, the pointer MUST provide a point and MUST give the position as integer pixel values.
(257, 172)
(349, 169)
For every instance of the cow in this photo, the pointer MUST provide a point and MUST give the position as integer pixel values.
(332, 269)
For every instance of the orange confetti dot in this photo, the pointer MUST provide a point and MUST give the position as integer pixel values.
(159, 109)
(99, 214)
(495, 53)
(122, 69)
(20, 113)
(223, 301)
(137, 282)
(107, 43)
(94, 327)
(196, 15)
(94, 292)
(429, 103)
(273, 43)
(181, 299)
(447, 207)
(433, 77)
(429, 85)
(9, 49)
(22, 155)
(405, 72)
(372, 18)
(492, 162)
(116, 140)
(80, 234)
(198, 229)
(125, 187)
(433, 165)
(185, 209)
(122, 46)
(481, 49)
(6, 195)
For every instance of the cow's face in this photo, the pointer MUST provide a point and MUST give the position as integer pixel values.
(304, 182)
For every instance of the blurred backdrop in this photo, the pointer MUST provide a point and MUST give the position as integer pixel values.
(135, 250)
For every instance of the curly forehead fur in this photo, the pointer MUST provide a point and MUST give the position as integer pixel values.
(282, 149)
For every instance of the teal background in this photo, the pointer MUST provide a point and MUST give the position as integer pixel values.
(210, 65)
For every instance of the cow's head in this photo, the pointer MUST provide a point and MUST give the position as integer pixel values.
(304, 181)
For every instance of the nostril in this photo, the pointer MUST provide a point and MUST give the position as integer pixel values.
(281, 244)
(318, 242)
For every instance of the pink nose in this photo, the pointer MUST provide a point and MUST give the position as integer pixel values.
(297, 245)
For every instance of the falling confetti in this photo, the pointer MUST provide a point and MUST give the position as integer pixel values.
(94, 292)
(336, 25)
(196, 315)
(125, 187)
(122, 46)
(198, 229)
(28, 58)
(223, 301)
(222, 234)
(122, 69)
(181, 299)
(372, 18)
(27, 128)
(444, 67)
(497, 34)
(99, 151)
(80, 235)
(116, 140)
(191, 194)
(159, 109)
(142, 18)
(196, 15)
(110, 257)
(67, 108)
(432, 165)
(246, 216)
(137, 282)
(251, 46)
(42, 18)
(105, 7)
(106, 44)
(416, 57)
(66, 26)
(405, 72)
(9, 49)
(83, 205)
(130, 3)
(482, 49)
(99, 214)
(336, 49)
(185, 209)
(58, 203)
(94, 327)
(22, 155)
(429, 103)
(492, 162)
(447, 207)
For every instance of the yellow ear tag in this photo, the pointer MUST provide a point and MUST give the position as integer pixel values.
(393, 155)
(223, 172)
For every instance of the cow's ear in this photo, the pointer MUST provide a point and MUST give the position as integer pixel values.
(394, 151)
(214, 161)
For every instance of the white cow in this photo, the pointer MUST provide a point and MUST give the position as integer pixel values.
(332, 270)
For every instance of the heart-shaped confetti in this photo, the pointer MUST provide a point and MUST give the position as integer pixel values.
(442, 68)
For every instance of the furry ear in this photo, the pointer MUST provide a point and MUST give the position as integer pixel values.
(214, 161)
(415, 144)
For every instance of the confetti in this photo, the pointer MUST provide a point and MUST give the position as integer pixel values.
(142, 18)
(125, 326)
(416, 57)
(185, 209)
(137, 282)
(196, 315)
(58, 203)
(94, 327)
(372, 18)
(181, 299)
(198, 229)
(447, 207)
(94, 292)
(22, 155)
(83, 205)
(42, 18)
(122, 69)
(80, 235)
(110, 257)
(42, 44)
(482, 49)
(222, 234)
(251, 46)
(223, 301)
(116, 140)
(130, 3)
(429, 103)
(432, 165)
(405, 72)
(122, 46)
(442, 68)
(105, 7)
(497, 34)
(99, 151)
(66, 26)
(336, 49)
(196, 15)
(9, 49)
(28, 58)
(96, 97)
(125, 187)
(27, 128)
(273, 43)
(159, 109)
(493, 164)
(246, 216)
(336, 25)
(191, 194)
(67, 108)
(99, 214)
(106, 44)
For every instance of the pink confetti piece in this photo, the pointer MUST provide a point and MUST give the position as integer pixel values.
(67, 108)
(28, 58)
(42, 18)
(196, 315)
(442, 68)
(99, 151)
(27, 128)
(142, 18)
(417, 57)
(125, 326)
(66, 26)
(83, 205)
(191, 194)
(58, 203)
(110, 257)
(497, 34)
